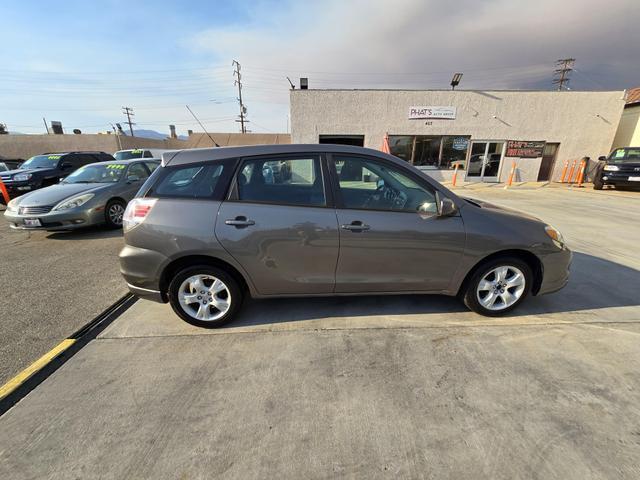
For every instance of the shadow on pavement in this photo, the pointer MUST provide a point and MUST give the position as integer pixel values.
(88, 233)
(595, 283)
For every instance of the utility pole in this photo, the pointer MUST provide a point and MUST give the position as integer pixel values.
(561, 74)
(128, 111)
(243, 109)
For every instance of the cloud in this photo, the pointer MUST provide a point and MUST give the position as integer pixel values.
(384, 44)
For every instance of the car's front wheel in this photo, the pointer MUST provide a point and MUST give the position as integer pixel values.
(205, 296)
(498, 286)
(114, 212)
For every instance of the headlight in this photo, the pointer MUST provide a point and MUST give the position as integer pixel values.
(74, 202)
(12, 206)
(611, 168)
(22, 177)
(555, 235)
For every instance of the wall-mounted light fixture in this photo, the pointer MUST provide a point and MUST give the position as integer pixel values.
(455, 81)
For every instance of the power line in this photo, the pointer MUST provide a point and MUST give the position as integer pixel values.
(562, 73)
(128, 111)
(243, 109)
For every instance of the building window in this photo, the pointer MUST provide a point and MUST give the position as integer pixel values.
(441, 152)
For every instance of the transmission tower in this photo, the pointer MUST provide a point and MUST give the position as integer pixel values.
(128, 111)
(243, 110)
(561, 74)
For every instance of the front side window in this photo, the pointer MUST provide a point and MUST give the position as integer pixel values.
(152, 165)
(138, 170)
(189, 181)
(373, 185)
(287, 181)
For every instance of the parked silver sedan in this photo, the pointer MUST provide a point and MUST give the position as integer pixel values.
(95, 194)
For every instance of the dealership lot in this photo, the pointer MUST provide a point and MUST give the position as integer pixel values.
(364, 387)
(52, 284)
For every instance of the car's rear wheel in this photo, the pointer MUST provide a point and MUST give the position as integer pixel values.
(498, 286)
(205, 296)
(113, 213)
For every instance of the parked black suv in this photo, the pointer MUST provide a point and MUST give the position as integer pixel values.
(620, 169)
(47, 169)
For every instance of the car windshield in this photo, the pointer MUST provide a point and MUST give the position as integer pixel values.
(622, 155)
(129, 154)
(42, 161)
(97, 173)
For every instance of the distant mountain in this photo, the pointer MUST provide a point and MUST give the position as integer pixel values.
(155, 135)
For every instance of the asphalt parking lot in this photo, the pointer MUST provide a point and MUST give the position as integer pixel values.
(52, 284)
(369, 387)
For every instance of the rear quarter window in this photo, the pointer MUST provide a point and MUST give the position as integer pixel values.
(207, 181)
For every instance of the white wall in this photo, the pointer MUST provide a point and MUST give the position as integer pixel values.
(584, 123)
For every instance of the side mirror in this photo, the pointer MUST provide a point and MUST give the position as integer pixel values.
(66, 166)
(446, 207)
(133, 179)
(602, 158)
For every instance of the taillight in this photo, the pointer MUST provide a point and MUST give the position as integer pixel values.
(136, 212)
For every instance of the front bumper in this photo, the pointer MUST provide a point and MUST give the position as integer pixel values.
(555, 270)
(15, 189)
(64, 220)
(622, 179)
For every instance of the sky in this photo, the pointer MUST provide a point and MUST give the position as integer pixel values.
(80, 62)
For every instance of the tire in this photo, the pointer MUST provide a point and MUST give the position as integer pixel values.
(597, 184)
(113, 213)
(182, 290)
(479, 300)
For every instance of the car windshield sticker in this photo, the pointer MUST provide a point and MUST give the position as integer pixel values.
(618, 154)
(54, 157)
(136, 151)
(115, 166)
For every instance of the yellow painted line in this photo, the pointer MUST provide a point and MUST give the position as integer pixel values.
(24, 375)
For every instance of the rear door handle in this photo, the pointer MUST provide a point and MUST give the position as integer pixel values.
(239, 222)
(356, 226)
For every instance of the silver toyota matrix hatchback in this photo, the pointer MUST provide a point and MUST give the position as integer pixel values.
(211, 226)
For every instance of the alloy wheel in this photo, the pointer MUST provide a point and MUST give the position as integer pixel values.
(116, 212)
(501, 287)
(204, 297)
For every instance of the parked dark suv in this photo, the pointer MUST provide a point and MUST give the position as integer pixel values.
(47, 169)
(213, 225)
(620, 169)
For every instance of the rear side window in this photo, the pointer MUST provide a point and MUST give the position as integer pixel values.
(189, 181)
(147, 154)
(286, 181)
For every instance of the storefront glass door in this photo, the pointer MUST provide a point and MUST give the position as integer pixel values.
(484, 161)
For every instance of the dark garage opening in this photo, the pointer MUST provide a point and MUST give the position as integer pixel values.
(356, 140)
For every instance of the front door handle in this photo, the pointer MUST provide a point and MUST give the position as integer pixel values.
(356, 226)
(239, 222)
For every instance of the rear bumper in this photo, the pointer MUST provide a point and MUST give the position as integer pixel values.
(147, 294)
(142, 270)
(555, 268)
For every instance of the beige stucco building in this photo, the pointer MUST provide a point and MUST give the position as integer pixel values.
(482, 132)
(628, 134)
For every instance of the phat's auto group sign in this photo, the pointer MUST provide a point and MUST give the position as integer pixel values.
(419, 112)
